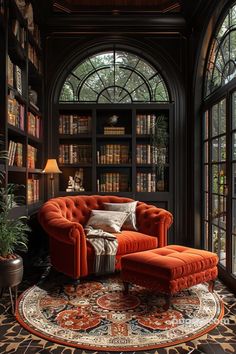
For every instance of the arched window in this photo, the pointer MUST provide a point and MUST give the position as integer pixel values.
(219, 144)
(221, 67)
(114, 77)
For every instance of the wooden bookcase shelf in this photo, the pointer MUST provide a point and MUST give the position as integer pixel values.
(21, 120)
(112, 150)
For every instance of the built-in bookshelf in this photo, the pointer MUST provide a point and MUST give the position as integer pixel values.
(21, 101)
(120, 150)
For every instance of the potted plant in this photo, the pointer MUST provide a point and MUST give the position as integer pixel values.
(13, 237)
(159, 141)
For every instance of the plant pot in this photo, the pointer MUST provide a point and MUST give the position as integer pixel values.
(11, 272)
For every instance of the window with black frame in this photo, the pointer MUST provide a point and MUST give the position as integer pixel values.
(219, 144)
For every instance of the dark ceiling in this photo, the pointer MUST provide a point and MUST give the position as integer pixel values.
(73, 6)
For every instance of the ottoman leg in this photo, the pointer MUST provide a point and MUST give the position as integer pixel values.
(167, 304)
(211, 285)
(126, 287)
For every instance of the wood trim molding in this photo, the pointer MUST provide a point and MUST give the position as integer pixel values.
(84, 23)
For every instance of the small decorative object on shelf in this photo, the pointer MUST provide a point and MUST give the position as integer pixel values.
(71, 185)
(33, 96)
(113, 120)
(79, 180)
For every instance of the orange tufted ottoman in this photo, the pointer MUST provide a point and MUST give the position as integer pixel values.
(169, 269)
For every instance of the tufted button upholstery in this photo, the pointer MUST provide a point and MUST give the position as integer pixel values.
(63, 219)
(169, 269)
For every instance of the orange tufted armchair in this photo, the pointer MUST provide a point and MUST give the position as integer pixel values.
(63, 219)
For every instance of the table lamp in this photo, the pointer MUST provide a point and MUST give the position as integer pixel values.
(51, 168)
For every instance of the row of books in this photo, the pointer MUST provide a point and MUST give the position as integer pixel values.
(147, 182)
(19, 32)
(27, 11)
(149, 154)
(74, 124)
(114, 130)
(113, 153)
(113, 182)
(74, 153)
(145, 123)
(33, 190)
(32, 156)
(14, 76)
(16, 113)
(15, 154)
(34, 58)
(34, 125)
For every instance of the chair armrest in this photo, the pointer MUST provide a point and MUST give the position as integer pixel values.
(68, 246)
(59, 227)
(154, 221)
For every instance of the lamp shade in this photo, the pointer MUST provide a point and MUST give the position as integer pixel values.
(51, 167)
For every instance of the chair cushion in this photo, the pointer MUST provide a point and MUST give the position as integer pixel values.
(131, 241)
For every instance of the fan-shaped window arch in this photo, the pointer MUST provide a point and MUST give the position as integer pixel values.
(221, 66)
(114, 76)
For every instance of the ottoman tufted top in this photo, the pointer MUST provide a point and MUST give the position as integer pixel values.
(171, 262)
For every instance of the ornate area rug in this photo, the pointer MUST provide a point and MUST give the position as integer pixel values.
(97, 315)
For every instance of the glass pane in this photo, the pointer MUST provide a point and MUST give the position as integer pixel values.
(100, 60)
(206, 125)
(219, 243)
(206, 178)
(141, 94)
(234, 110)
(206, 152)
(215, 209)
(145, 68)
(233, 45)
(67, 93)
(215, 150)
(222, 247)
(215, 179)
(234, 217)
(234, 146)
(161, 92)
(222, 178)
(206, 206)
(214, 120)
(222, 212)
(83, 69)
(215, 239)
(134, 82)
(126, 59)
(222, 116)
(87, 94)
(122, 76)
(222, 152)
(234, 181)
(206, 239)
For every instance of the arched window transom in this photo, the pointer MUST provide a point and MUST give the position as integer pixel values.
(221, 66)
(114, 77)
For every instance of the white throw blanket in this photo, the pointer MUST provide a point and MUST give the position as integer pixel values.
(105, 247)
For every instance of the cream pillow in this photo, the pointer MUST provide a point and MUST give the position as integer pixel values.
(130, 208)
(109, 221)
